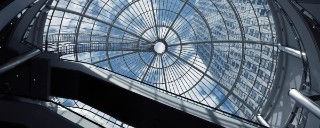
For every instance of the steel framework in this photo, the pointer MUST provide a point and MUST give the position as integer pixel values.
(219, 53)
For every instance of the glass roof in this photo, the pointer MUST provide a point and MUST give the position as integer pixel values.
(219, 53)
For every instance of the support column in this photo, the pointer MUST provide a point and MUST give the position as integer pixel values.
(18, 60)
(37, 31)
(262, 121)
(305, 102)
(292, 51)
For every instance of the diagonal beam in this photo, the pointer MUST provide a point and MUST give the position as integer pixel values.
(164, 74)
(110, 58)
(96, 19)
(154, 19)
(225, 41)
(145, 74)
(241, 64)
(178, 14)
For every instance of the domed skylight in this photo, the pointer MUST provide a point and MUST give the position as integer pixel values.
(217, 53)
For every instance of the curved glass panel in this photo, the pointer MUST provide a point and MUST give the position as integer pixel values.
(219, 53)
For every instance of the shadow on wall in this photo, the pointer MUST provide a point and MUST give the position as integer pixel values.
(285, 104)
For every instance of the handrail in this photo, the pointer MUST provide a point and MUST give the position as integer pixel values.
(71, 48)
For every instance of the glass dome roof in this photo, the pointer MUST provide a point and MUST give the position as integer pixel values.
(217, 53)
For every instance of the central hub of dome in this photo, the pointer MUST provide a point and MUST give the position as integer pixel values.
(159, 47)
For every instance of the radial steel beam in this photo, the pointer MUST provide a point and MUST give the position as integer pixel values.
(113, 57)
(207, 26)
(185, 2)
(146, 29)
(279, 38)
(243, 38)
(117, 16)
(224, 41)
(164, 73)
(305, 102)
(96, 19)
(210, 35)
(18, 60)
(209, 31)
(224, 21)
(154, 19)
(255, 79)
(145, 74)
